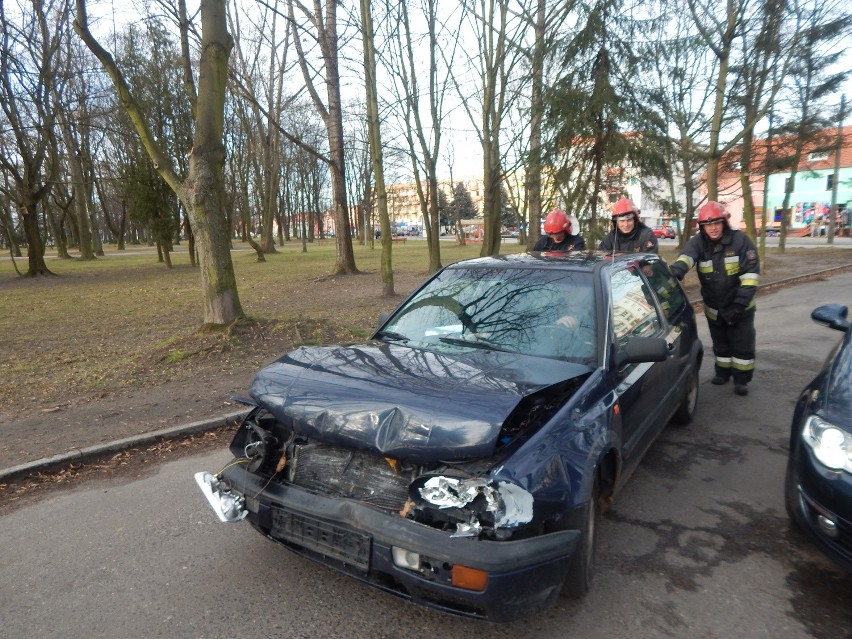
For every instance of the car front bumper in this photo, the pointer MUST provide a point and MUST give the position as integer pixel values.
(512, 579)
(825, 506)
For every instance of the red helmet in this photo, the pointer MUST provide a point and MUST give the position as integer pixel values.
(624, 205)
(556, 222)
(712, 212)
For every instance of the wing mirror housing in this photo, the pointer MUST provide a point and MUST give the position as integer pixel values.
(832, 315)
(637, 350)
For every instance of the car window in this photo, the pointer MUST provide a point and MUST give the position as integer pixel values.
(633, 309)
(669, 292)
(547, 313)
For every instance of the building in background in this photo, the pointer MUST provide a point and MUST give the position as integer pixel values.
(810, 200)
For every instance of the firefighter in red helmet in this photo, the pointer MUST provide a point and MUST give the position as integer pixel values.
(557, 227)
(729, 271)
(628, 234)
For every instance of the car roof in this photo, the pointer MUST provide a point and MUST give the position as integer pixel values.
(556, 260)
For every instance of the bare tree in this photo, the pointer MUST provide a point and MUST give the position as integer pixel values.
(267, 89)
(676, 68)
(28, 54)
(755, 24)
(375, 134)
(202, 191)
(497, 32)
(320, 23)
(430, 54)
(815, 78)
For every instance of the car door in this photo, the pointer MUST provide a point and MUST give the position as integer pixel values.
(643, 389)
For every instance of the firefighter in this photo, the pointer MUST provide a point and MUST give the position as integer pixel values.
(558, 236)
(728, 270)
(628, 234)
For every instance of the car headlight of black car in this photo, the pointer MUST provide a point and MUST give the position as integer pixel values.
(831, 445)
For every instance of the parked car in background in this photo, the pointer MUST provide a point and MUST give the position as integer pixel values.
(461, 458)
(665, 232)
(818, 487)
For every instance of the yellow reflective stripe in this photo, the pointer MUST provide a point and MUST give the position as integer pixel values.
(710, 313)
(749, 279)
(723, 362)
(705, 267)
(732, 265)
(742, 364)
(687, 261)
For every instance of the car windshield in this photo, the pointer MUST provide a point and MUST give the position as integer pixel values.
(545, 313)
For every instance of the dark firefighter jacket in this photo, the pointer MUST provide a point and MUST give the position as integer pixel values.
(728, 270)
(569, 243)
(640, 239)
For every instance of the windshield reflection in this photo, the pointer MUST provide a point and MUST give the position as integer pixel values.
(534, 312)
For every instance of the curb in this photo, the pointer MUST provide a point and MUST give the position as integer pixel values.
(80, 455)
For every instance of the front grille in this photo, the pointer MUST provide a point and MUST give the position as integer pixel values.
(352, 547)
(352, 474)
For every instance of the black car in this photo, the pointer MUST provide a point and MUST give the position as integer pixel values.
(461, 458)
(818, 487)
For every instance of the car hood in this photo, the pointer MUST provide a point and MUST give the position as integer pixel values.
(837, 393)
(402, 402)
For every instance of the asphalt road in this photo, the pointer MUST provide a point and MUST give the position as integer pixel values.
(697, 545)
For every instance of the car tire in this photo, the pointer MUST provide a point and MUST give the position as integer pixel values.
(686, 410)
(791, 497)
(582, 566)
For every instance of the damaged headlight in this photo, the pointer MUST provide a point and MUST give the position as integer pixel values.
(473, 504)
(227, 504)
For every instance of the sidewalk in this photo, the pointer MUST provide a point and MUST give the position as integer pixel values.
(82, 455)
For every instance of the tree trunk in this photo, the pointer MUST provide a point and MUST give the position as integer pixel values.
(202, 193)
(533, 182)
(35, 245)
(375, 132)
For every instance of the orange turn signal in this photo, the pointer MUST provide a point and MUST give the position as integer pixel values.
(469, 578)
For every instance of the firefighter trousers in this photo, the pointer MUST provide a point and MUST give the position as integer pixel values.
(733, 347)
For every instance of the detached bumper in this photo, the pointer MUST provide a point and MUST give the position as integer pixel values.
(495, 580)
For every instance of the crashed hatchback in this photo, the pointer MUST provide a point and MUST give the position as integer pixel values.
(461, 458)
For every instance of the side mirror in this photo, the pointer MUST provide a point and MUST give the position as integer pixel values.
(642, 349)
(832, 315)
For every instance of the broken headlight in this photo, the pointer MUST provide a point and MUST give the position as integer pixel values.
(471, 506)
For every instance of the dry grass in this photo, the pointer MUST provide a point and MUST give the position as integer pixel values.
(125, 320)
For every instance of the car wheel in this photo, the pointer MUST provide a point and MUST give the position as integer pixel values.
(582, 565)
(686, 411)
(791, 496)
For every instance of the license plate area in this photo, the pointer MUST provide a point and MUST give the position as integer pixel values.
(352, 547)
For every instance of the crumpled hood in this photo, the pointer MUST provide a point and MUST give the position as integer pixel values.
(403, 402)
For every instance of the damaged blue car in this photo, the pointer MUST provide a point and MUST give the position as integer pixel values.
(462, 457)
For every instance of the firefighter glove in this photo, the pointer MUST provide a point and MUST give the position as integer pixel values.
(733, 313)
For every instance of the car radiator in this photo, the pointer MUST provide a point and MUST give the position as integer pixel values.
(352, 474)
